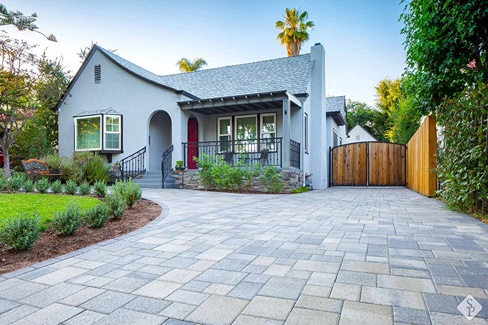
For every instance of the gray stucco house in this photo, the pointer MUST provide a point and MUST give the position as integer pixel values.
(272, 111)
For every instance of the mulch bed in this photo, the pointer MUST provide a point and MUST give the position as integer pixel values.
(51, 244)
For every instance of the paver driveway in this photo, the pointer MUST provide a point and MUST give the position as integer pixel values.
(339, 256)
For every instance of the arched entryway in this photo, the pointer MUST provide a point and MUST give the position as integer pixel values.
(159, 139)
(192, 142)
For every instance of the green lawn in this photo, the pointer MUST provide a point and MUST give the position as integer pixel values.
(44, 204)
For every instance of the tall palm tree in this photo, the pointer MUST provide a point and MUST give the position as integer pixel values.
(293, 30)
(184, 65)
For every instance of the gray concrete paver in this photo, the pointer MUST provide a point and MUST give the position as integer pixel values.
(339, 256)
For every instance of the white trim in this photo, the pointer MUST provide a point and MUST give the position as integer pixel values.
(76, 131)
(105, 132)
(305, 133)
(218, 127)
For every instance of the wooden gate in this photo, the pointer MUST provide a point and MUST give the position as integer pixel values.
(368, 163)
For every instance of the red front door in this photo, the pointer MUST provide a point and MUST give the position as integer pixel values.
(192, 142)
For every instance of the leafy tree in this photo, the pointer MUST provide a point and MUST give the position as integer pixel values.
(404, 119)
(17, 82)
(185, 65)
(359, 113)
(85, 50)
(446, 43)
(294, 29)
(39, 137)
(21, 22)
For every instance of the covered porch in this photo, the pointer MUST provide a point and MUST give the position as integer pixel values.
(261, 128)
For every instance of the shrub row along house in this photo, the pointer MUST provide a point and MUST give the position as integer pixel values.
(270, 112)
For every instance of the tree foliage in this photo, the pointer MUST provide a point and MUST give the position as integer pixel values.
(21, 21)
(185, 65)
(294, 30)
(446, 43)
(359, 113)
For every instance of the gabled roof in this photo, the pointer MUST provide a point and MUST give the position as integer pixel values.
(336, 107)
(290, 73)
(359, 126)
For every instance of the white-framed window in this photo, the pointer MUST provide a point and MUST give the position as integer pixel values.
(98, 133)
(112, 132)
(335, 139)
(225, 133)
(246, 133)
(268, 131)
(306, 133)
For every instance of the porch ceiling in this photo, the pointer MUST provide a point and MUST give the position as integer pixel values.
(241, 103)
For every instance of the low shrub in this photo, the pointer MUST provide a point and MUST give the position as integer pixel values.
(68, 220)
(53, 161)
(100, 188)
(42, 185)
(20, 232)
(85, 188)
(96, 170)
(97, 216)
(70, 170)
(15, 182)
(28, 185)
(226, 177)
(56, 186)
(205, 164)
(300, 189)
(130, 191)
(3, 182)
(272, 180)
(116, 205)
(71, 187)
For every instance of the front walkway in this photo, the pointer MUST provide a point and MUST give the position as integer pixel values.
(339, 256)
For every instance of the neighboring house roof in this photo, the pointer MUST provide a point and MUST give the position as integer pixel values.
(106, 111)
(359, 126)
(290, 73)
(336, 108)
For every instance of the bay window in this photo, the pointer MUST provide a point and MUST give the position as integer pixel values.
(98, 132)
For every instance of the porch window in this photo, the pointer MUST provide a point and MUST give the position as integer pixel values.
(246, 133)
(225, 133)
(98, 133)
(268, 131)
(112, 132)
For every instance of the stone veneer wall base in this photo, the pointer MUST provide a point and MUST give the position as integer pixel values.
(190, 179)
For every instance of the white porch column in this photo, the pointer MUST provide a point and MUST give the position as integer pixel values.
(286, 133)
(318, 136)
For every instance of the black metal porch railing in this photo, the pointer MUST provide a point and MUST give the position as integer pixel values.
(294, 154)
(166, 164)
(267, 152)
(133, 165)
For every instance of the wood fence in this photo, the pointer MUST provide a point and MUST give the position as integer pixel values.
(421, 158)
(368, 163)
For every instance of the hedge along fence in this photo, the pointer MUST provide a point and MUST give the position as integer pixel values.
(421, 158)
(463, 157)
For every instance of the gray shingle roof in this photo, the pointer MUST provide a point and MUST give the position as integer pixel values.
(336, 104)
(106, 111)
(290, 73)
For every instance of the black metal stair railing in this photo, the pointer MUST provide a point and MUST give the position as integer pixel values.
(166, 164)
(134, 165)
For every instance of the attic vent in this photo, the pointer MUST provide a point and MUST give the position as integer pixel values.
(98, 74)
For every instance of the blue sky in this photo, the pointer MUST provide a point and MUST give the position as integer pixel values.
(361, 37)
